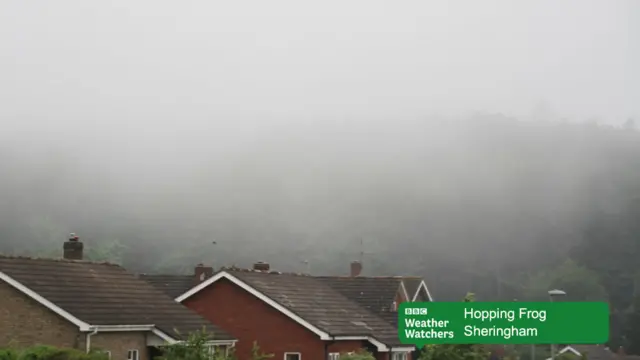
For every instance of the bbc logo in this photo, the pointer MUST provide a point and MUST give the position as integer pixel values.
(415, 311)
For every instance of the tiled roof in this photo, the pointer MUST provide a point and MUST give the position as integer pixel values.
(376, 294)
(595, 352)
(373, 293)
(105, 294)
(172, 285)
(319, 304)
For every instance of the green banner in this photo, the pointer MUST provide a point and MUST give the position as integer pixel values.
(503, 323)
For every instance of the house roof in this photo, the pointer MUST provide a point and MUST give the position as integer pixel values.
(593, 352)
(101, 294)
(172, 285)
(376, 294)
(312, 302)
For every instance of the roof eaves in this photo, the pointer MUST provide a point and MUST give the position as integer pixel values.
(380, 346)
(404, 291)
(83, 326)
(423, 285)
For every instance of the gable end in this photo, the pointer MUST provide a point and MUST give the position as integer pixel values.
(44, 302)
(224, 275)
(422, 287)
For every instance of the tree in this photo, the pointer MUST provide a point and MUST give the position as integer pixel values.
(571, 356)
(196, 348)
(580, 283)
(630, 124)
(455, 351)
(256, 354)
(357, 355)
(632, 328)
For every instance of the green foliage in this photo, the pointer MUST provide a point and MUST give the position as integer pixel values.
(570, 356)
(196, 348)
(43, 352)
(455, 352)
(632, 328)
(361, 354)
(580, 283)
(8, 354)
(257, 354)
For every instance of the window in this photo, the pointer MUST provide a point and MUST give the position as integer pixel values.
(132, 355)
(213, 349)
(334, 356)
(292, 356)
(399, 356)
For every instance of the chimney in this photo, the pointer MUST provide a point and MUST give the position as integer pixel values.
(202, 273)
(261, 266)
(356, 268)
(72, 249)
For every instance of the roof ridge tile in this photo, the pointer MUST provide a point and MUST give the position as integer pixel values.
(57, 260)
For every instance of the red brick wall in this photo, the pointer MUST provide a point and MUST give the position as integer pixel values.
(250, 319)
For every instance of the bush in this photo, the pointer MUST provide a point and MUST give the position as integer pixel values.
(257, 354)
(358, 355)
(42, 352)
(196, 348)
(8, 354)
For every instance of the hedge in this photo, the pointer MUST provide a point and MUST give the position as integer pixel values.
(43, 352)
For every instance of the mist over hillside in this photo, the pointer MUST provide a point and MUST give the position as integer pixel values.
(488, 189)
(488, 146)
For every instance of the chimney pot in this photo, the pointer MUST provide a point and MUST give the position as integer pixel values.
(202, 273)
(356, 268)
(73, 248)
(261, 266)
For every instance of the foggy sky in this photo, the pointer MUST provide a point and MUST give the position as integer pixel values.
(281, 114)
(157, 67)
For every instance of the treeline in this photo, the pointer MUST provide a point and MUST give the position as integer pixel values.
(489, 204)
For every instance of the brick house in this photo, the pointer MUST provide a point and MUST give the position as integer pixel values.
(382, 295)
(595, 352)
(379, 294)
(292, 316)
(79, 304)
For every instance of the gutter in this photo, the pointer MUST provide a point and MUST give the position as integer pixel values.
(326, 347)
(233, 345)
(88, 339)
(111, 328)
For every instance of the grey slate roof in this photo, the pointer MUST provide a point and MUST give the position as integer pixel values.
(318, 303)
(172, 285)
(105, 294)
(373, 293)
